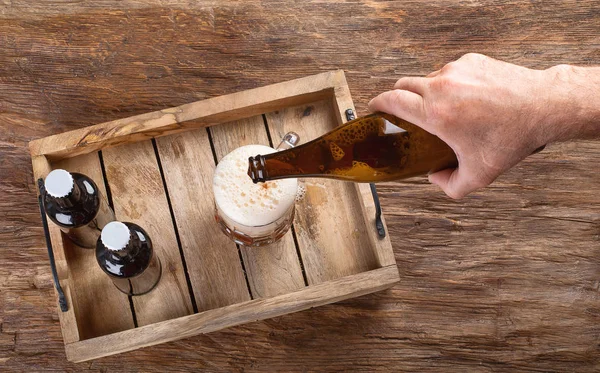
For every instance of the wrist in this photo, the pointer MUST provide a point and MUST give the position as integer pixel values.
(572, 103)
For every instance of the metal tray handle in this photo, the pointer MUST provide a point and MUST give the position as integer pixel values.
(62, 301)
(378, 222)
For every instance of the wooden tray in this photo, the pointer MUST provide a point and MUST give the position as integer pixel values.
(157, 170)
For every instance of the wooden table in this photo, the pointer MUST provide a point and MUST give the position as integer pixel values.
(504, 280)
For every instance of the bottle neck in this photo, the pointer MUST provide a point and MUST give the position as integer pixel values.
(258, 165)
(130, 250)
(71, 200)
(276, 166)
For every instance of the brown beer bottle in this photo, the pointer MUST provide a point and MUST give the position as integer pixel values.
(125, 252)
(74, 203)
(377, 147)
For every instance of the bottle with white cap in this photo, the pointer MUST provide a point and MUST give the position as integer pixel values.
(124, 251)
(74, 202)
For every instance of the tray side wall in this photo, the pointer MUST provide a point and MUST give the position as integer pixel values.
(205, 113)
(236, 314)
(68, 323)
(342, 101)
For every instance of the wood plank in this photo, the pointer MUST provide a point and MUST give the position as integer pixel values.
(212, 259)
(236, 314)
(138, 196)
(111, 314)
(342, 100)
(68, 320)
(271, 269)
(327, 252)
(203, 113)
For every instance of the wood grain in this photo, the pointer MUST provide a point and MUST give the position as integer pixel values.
(505, 280)
(212, 259)
(272, 269)
(328, 251)
(139, 196)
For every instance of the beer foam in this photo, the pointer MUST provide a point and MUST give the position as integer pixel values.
(301, 193)
(245, 202)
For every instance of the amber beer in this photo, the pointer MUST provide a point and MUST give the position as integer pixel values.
(251, 214)
(377, 147)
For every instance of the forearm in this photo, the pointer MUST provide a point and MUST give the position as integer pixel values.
(574, 103)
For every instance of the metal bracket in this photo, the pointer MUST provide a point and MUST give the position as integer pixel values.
(62, 301)
(378, 222)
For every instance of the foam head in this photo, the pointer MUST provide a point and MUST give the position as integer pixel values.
(245, 202)
(59, 183)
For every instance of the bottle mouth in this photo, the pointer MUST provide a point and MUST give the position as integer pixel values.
(256, 169)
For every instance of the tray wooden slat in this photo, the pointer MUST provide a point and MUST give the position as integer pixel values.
(212, 259)
(139, 196)
(272, 269)
(98, 307)
(330, 228)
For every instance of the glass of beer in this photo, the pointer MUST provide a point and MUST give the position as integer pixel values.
(248, 213)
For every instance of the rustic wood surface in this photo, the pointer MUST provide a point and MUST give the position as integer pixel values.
(504, 280)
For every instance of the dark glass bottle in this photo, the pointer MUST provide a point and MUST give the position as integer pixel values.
(124, 251)
(75, 204)
(377, 147)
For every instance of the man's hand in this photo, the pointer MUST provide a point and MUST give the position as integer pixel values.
(491, 113)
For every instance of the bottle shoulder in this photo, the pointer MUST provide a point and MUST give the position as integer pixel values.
(127, 264)
(77, 212)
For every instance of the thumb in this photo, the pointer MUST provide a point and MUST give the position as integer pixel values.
(452, 182)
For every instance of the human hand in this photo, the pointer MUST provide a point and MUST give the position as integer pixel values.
(491, 113)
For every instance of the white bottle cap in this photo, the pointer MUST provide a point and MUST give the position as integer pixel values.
(115, 236)
(59, 183)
